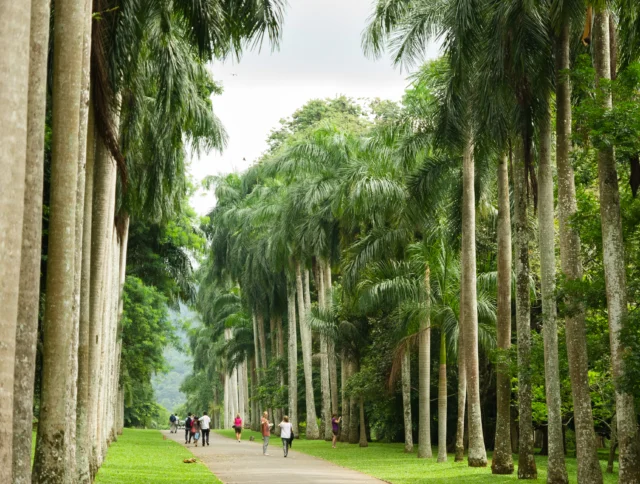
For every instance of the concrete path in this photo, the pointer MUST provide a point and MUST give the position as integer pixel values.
(244, 463)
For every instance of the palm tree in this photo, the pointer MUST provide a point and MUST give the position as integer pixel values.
(50, 464)
(29, 293)
(407, 27)
(613, 256)
(588, 465)
(14, 89)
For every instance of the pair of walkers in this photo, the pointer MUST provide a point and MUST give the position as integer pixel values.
(195, 427)
(286, 433)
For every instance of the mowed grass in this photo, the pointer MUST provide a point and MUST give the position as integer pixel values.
(390, 463)
(142, 456)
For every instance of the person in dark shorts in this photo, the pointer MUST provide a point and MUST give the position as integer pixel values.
(237, 426)
(335, 428)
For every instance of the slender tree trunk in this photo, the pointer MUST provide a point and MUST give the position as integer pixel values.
(256, 346)
(101, 221)
(262, 341)
(406, 402)
(29, 289)
(293, 357)
(325, 386)
(85, 143)
(614, 262)
(477, 456)
(462, 391)
(589, 470)
(51, 462)
(353, 410)
(84, 404)
(344, 376)
(363, 431)
(331, 345)
(424, 374)
(613, 445)
(313, 433)
(15, 115)
(526, 461)
(502, 462)
(556, 470)
(442, 400)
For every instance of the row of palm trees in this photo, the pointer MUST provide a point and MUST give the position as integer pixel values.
(123, 89)
(332, 199)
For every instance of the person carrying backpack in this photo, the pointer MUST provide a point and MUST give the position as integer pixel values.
(187, 430)
(172, 424)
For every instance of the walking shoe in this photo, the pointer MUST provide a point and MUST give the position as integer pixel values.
(265, 454)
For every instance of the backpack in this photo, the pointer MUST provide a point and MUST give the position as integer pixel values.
(172, 418)
(187, 423)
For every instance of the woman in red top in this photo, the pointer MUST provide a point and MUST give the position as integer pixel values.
(266, 432)
(237, 425)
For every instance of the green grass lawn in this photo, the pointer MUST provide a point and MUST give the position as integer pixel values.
(389, 462)
(142, 456)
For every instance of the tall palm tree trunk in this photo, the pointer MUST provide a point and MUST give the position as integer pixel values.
(331, 345)
(262, 341)
(477, 455)
(292, 357)
(614, 262)
(324, 360)
(344, 376)
(363, 430)
(101, 218)
(85, 143)
(424, 374)
(406, 401)
(526, 461)
(502, 462)
(29, 290)
(14, 114)
(313, 433)
(462, 390)
(442, 400)
(51, 462)
(589, 470)
(556, 470)
(256, 346)
(353, 409)
(83, 404)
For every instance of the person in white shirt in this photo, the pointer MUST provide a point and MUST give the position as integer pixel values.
(286, 434)
(204, 427)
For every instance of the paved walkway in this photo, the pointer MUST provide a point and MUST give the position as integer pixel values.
(244, 463)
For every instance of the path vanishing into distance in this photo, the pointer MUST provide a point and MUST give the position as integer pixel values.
(244, 463)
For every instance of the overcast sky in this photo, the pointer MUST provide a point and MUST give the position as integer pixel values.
(320, 56)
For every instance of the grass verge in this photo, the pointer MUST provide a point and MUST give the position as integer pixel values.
(143, 457)
(390, 463)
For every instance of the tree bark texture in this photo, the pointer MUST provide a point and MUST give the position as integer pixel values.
(51, 460)
(313, 433)
(292, 357)
(502, 462)
(406, 402)
(477, 455)
(526, 461)
(462, 391)
(556, 470)
(614, 261)
(363, 431)
(29, 289)
(589, 470)
(442, 400)
(325, 386)
(424, 374)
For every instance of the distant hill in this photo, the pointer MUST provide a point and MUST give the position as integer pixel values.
(167, 386)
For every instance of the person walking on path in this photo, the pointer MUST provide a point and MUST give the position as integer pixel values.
(285, 434)
(237, 425)
(195, 429)
(187, 429)
(205, 422)
(266, 432)
(335, 428)
(172, 424)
